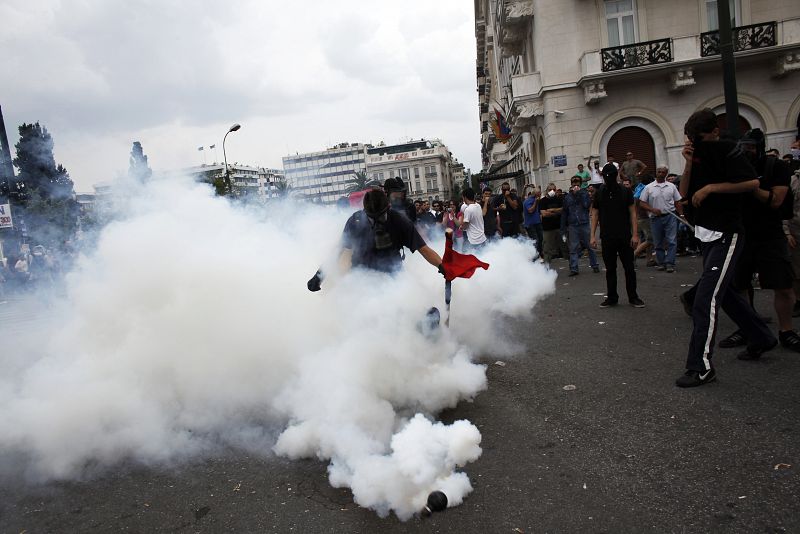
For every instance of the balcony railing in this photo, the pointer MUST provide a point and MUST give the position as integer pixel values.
(636, 55)
(744, 38)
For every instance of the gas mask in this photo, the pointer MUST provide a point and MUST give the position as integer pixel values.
(383, 240)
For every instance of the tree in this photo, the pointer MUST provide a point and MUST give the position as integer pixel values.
(44, 192)
(283, 188)
(361, 182)
(138, 169)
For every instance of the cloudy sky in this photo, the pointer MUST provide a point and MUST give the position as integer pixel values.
(298, 75)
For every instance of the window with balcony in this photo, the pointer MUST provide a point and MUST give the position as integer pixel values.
(621, 22)
(712, 12)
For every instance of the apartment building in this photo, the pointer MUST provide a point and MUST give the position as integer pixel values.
(576, 80)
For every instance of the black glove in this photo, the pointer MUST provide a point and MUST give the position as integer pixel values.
(440, 268)
(315, 284)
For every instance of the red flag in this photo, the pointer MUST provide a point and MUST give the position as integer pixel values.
(458, 265)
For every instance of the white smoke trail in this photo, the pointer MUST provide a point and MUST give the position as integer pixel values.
(190, 327)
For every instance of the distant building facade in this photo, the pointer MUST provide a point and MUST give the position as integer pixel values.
(327, 175)
(575, 80)
(248, 181)
(427, 167)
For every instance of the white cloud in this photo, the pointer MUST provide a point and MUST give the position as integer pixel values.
(175, 74)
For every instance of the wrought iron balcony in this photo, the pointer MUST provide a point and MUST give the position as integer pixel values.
(636, 55)
(744, 38)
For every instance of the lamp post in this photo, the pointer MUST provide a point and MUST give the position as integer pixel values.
(225, 157)
(728, 67)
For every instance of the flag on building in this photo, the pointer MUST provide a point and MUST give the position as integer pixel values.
(500, 127)
(199, 149)
(213, 146)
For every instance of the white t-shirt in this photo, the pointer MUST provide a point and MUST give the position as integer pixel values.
(473, 215)
(597, 178)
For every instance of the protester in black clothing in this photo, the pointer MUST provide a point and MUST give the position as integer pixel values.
(508, 205)
(550, 207)
(766, 250)
(715, 175)
(489, 214)
(375, 236)
(613, 208)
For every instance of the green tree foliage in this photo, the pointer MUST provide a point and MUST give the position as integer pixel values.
(138, 169)
(44, 192)
(283, 188)
(361, 182)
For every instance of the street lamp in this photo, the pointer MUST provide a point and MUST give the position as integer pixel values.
(225, 157)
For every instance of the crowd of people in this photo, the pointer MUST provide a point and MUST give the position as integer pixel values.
(31, 268)
(735, 203)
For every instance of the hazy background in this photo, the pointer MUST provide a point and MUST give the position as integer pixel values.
(298, 76)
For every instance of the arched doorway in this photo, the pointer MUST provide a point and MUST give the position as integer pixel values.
(633, 139)
(722, 123)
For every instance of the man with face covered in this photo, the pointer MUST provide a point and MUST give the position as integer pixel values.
(716, 177)
(766, 250)
(395, 189)
(614, 210)
(374, 236)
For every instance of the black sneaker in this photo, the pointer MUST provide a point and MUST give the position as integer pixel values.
(692, 379)
(687, 306)
(573, 273)
(734, 340)
(670, 269)
(637, 303)
(607, 302)
(661, 268)
(790, 340)
(596, 269)
(754, 353)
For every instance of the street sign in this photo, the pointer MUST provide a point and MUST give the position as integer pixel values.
(559, 161)
(5, 216)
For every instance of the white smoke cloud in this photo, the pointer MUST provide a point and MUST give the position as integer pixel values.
(190, 327)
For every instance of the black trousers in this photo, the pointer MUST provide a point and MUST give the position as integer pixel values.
(613, 247)
(713, 290)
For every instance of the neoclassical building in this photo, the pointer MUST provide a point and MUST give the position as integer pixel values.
(576, 80)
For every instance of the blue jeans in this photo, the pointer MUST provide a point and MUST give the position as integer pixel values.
(579, 240)
(665, 238)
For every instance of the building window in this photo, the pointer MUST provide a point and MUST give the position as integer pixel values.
(621, 22)
(429, 183)
(404, 174)
(416, 173)
(713, 19)
(435, 183)
(418, 185)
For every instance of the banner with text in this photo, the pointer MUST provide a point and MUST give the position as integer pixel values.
(5, 216)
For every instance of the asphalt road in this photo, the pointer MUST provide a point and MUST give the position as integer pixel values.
(625, 451)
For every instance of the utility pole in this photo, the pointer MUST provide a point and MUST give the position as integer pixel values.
(728, 67)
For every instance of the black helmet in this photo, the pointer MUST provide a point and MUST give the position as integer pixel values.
(394, 185)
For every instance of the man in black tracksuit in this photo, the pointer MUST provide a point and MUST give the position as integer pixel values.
(714, 178)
